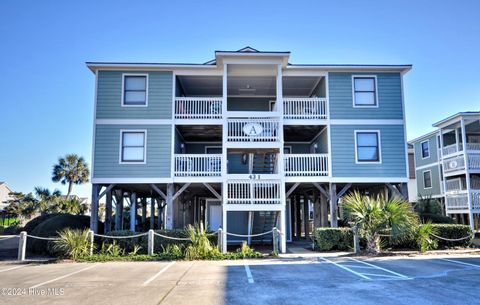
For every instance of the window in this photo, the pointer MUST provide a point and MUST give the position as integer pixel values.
(368, 148)
(134, 90)
(133, 147)
(364, 91)
(427, 179)
(425, 149)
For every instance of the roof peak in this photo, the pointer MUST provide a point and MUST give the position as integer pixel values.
(248, 49)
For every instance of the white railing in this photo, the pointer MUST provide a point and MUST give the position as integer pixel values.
(253, 130)
(473, 146)
(306, 164)
(457, 202)
(197, 165)
(456, 184)
(449, 149)
(475, 201)
(454, 164)
(253, 192)
(305, 108)
(474, 161)
(198, 107)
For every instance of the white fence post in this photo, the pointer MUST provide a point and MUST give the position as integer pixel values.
(22, 245)
(150, 242)
(275, 240)
(219, 239)
(91, 235)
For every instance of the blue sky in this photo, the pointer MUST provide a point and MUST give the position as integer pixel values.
(47, 92)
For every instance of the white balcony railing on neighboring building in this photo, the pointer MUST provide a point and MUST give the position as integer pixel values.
(253, 130)
(453, 185)
(198, 107)
(306, 164)
(473, 146)
(450, 149)
(454, 164)
(475, 200)
(456, 202)
(189, 165)
(305, 108)
(474, 161)
(253, 192)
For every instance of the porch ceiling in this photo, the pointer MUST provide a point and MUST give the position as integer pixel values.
(201, 132)
(306, 133)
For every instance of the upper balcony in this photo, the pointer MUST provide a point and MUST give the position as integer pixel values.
(200, 100)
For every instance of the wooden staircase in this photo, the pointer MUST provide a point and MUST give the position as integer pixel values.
(264, 163)
(263, 221)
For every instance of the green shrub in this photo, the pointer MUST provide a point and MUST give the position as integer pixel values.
(51, 228)
(326, 239)
(435, 218)
(12, 230)
(72, 243)
(32, 224)
(453, 231)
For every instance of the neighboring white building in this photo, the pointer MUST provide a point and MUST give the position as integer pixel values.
(412, 182)
(4, 195)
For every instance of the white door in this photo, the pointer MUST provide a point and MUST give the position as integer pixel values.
(214, 217)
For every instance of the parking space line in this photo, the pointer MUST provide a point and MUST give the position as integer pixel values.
(13, 268)
(64, 276)
(381, 275)
(158, 273)
(377, 267)
(249, 274)
(345, 268)
(459, 262)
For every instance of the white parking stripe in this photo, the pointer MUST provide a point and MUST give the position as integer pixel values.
(64, 276)
(377, 267)
(13, 268)
(345, 268)
(459, 262)
(249, 274)
(158, 273)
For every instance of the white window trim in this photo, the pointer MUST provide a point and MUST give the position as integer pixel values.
(421, 149)
(431, 180)
(120, 161)
(377, 102)
(146, 88)
(379, 146)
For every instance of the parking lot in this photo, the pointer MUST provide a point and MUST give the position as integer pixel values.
(314, 280)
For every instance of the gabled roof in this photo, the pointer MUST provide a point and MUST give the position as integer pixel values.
(456, 116)
(246, 52)
(5, 184)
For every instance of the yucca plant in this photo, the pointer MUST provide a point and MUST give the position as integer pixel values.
(200, 246)
(425, 240)
(375, 216)
(73, 243)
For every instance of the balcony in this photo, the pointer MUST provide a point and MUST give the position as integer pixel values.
(298, 165)
(452, 148)
(308, 108)
(197, 165)
(458, 203)
(457, 163)
(250, 193)
(253, 130)
(198, 108)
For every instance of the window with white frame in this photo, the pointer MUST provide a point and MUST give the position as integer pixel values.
(135, 90)
(427, 179)
(364, 91)
(368, 146)
(133, 147)
(425, 149)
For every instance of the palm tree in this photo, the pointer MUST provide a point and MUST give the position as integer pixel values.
(375, 216)
(71, 169)
(46, 199)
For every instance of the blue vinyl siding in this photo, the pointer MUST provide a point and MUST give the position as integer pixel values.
(392, 152)
(107, 152)
(433, 146)
(436, 187)
(109, 97)
(389, 97)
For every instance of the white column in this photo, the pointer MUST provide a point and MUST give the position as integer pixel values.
(467, 174)
(224, 157)
(133, 211)
(280, 162)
